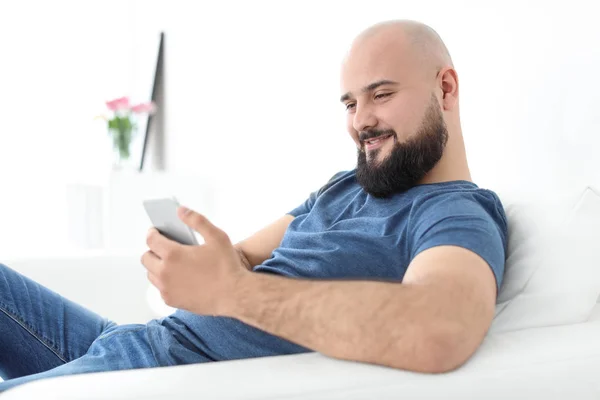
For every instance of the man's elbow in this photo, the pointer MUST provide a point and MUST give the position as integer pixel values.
(445, 352)
(436, 352)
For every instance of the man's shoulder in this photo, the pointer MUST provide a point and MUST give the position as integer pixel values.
(462, 215)
(337, 178)
(457, 199)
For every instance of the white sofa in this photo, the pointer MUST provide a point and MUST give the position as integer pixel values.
(544, 342)
(547, 363)
(550, 362)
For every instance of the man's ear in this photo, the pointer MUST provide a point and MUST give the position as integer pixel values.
(448, 81)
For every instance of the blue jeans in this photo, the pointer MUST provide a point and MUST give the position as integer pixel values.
(44, 335)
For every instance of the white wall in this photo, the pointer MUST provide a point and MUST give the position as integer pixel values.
(59, 62)
(252, 92)
(236, 104)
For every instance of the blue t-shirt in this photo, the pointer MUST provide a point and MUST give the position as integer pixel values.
(342, 232)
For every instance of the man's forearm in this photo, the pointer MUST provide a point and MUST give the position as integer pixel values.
(376, 322)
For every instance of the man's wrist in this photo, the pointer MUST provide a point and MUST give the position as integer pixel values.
(244, 288)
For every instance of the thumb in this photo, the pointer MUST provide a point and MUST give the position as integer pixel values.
(203, 226)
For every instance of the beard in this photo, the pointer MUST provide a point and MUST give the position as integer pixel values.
(408, 162)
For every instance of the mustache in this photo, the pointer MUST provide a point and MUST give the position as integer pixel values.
(362, 136)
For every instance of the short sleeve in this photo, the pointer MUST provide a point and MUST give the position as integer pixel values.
(474, 220)
(305, 207)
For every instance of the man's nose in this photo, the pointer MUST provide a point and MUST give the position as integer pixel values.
(364, 119)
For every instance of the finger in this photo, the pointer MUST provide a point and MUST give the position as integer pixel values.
(154, 281)
(151, 262)
(160, 244)
(203, 226)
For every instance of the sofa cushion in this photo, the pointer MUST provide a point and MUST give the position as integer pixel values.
(552, 273)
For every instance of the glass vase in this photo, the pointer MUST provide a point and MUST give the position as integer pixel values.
(119, 161)
(121, 143)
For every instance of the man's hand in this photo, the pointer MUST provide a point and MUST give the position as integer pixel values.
(201, 279)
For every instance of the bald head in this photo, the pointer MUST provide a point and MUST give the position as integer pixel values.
(422, 41)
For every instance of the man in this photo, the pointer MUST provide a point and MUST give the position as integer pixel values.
(396, 263)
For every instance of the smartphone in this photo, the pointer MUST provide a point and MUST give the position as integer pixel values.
(163, 215)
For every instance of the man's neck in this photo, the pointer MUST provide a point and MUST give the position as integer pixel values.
(453, 165)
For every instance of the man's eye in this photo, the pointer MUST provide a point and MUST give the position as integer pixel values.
(350, 106)
(381, 95)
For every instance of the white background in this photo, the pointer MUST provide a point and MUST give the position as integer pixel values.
(251, 98)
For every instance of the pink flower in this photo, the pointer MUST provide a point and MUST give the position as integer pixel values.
(122, 103)
(148, 108)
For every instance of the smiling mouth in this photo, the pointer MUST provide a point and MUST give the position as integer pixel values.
(376, 142)
(377, 139)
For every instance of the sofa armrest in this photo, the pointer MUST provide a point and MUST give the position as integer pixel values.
(114, 286)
